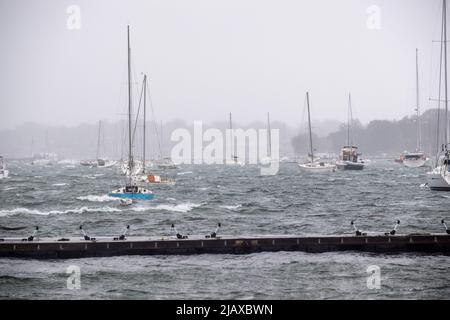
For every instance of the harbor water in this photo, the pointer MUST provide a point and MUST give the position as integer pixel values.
(62, 197)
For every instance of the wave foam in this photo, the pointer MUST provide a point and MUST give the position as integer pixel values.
(182, 207)
(232, 207)
(183, 173)
(16, 211)
(94, 198)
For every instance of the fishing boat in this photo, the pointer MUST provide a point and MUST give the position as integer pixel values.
(99, 162)
(314, 165)
(439, 178)
(417, 158)
(3, 172)
(348, 159)
(131, 190)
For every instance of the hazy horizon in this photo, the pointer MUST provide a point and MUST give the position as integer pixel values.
(208, 58)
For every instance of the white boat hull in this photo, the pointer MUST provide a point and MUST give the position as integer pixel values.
(349, 165)
(415, 163)
(308, 167)
(108, 164)
(439, 179)
(167, 166)
(42, 162)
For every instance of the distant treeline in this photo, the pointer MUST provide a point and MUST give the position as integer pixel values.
(380, 137)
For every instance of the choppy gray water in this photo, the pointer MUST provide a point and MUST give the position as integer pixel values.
(61, 197)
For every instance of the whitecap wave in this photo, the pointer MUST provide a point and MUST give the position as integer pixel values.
(182, 207)
(95, 198)
(59, 184)
(182, 173)
(17, 211)
(232, 207)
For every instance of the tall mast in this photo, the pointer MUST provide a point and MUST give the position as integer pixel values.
(349, 119)
(419, 142)
(444, 17)
(130, 156)
(231, 138)
(162, 146)
(98, 138)
(310, 132)
(145, 96)
(269, 137)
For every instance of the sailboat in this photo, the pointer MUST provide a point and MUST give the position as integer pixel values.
(3, 172)
(233, 160)
(131, 190)
(314, 165)
(144, 176)
(165, 162)
(416, 159)
(439, 177)
(44, 158)
(99, 162)
(348, 159)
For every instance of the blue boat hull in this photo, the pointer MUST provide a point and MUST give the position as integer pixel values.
(140, 196)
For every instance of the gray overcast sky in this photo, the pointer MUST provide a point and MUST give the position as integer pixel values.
(206, 58)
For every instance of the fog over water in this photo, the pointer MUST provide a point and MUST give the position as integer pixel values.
(208, 58)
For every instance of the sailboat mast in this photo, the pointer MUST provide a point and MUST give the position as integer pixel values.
(130, 156)
(98, 138)
(162, 146)
(310, 132)
(269, 137)
(444, 16)
(419, 142)
(145, 116)
(231, 138)
(349, 118)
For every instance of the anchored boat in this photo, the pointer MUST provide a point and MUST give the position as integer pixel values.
(132, 190)
(99, 162)
(3, 172)
(314, 165)
(348, 159)
(418, 158)
(439, 178)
